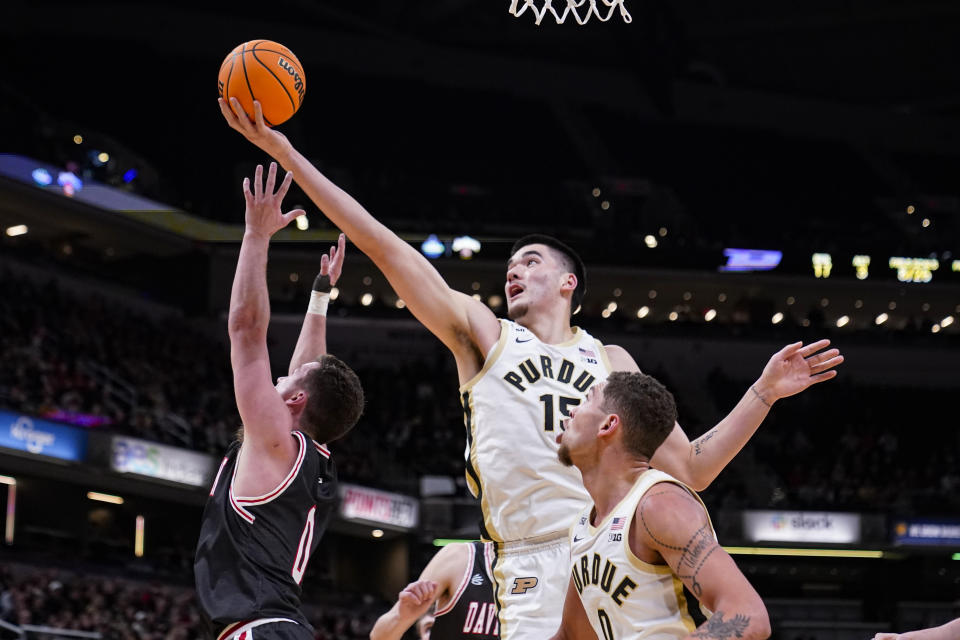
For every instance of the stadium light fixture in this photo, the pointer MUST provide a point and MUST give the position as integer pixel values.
(777, 318)
(843, 321)
(880, 319)
(8, 480)
(946, 322)
(17, 230)
(710, 315)
(643, 311)
(104, 497)
(650, 241)
(377, 533)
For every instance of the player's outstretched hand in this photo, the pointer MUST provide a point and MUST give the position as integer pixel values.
(416, 598)
(796, 367)
(256, 130)
(886, 636)
(263, 216)
(331, 265)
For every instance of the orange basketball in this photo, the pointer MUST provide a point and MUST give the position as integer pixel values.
(265, 71)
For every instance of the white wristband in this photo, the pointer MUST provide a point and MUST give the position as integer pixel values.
(318, 303)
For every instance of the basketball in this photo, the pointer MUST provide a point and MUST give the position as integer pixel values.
(265, 71)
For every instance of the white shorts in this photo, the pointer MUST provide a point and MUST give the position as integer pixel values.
(531, 582)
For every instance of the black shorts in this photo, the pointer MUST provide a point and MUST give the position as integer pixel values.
(275, 631)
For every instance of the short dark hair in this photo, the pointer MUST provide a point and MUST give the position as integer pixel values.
(571, 261)
(334, 400)
(646, 408)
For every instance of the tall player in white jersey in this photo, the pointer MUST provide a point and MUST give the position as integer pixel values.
(519, 378)
(646, 536)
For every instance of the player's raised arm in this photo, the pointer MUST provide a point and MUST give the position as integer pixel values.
(790, 371)
(467, 327)
(437, 582)
(574, 625)
(673, 523)
(312, 342)
(266, 419)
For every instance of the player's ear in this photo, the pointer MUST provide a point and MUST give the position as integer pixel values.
(610, 425)
(297, 400)
(569, 282)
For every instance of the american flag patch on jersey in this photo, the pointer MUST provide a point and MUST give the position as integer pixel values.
(617, 524)
(588, 353)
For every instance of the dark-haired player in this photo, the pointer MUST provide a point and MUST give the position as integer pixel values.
(276, 487)
(519, 377)
(646, 536)
(451, 600)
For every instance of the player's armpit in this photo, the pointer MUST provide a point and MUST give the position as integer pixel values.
(574, 625)
(673, 523)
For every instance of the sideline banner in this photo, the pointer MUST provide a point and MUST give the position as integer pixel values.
(379, 507)
(40, 437)
(801, 526)
(132, 455)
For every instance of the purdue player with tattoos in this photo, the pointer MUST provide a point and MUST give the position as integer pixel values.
(454, 589)
(276, 487)
(647, 536)
(519, 378)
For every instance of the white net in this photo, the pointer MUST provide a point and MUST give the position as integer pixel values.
(581, 10)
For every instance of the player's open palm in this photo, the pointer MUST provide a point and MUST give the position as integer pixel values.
(798, 366)
(255, 130)
(416, 598)
(263, 215)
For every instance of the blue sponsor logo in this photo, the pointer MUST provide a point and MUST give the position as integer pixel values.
(24, 433)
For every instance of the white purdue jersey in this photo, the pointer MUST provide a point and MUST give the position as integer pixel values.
(512, 410)
(624, 597)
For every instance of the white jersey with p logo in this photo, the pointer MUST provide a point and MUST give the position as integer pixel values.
(512, 411)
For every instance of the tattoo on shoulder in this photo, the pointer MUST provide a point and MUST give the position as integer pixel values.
(720, 629)
(693, 554)
(702, 440)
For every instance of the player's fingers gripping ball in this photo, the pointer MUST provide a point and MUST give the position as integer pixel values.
(266, 71)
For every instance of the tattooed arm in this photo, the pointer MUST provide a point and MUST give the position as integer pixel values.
(672, 526)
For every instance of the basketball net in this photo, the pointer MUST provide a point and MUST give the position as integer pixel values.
(582, 10)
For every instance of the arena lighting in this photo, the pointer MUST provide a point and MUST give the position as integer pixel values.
(643, 311)
(910, 209)
(11, 512)
(822, 265)
(650, 241)
(596, 192)
(130, 175)
(78, 139)
(605, 205)
(751, 260)
(710, 315)
(880, 319)
(17, 230)
(442, 542)
(955, 265)
(673, 316)
(925, 223)
(935, 329)
(842, 321)
(377, 533)
(366, 299)
(862, 264)
(103, 157)
(663, 232)
(777, 318)
(914, 269)
(946, 322)
(104, 497)
(808, 553)
(400, 304)
(8, 480)
(334, 293)
(611, 306)
(477, 297)
(302, 223)
(605, 313)
(466, 247)
(42, 177)
(138, 538)
(432, 247)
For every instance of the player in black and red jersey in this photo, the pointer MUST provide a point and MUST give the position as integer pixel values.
(276, 487)
(452, 599)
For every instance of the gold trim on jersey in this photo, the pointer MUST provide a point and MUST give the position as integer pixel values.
(491, 358)
(499, 581)
(603, 356)
(490, 530)
(577, 336)
(592, 530)
(682, 605)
